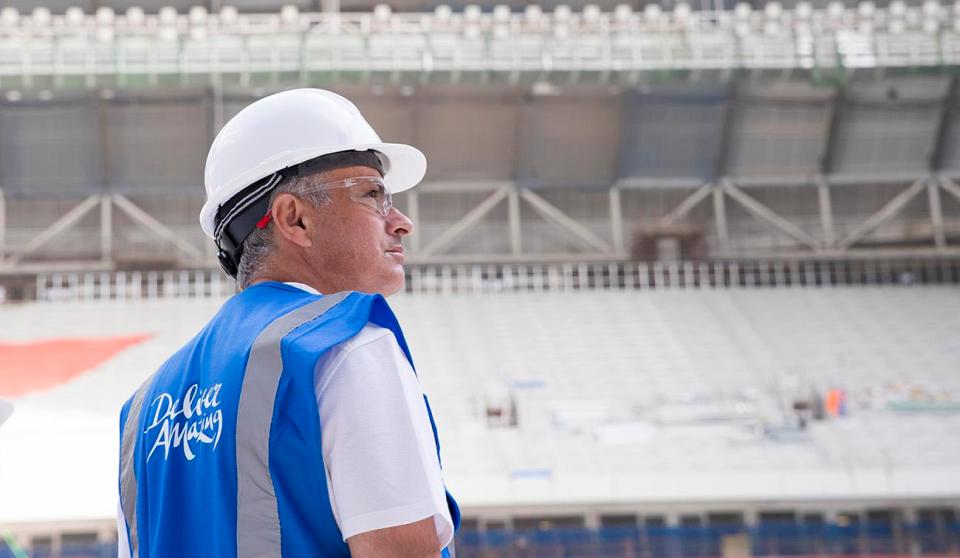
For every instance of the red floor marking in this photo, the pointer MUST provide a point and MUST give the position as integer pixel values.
(42, 365)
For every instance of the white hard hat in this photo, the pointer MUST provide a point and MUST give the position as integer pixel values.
(291, 127)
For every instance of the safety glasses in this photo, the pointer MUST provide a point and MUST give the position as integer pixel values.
(368, 190)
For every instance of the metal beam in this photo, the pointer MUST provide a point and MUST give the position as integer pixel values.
(885, 213)
(828, 154)
(106, 177)
(720, 216)
(826, 212)
(527, 258)
(835, 179)
(873, 179)
(947, 110)
(686, 205)
(936, 213)
(68, 220)
(667, 183)
(467, 222)
(26, 268)
(106, 229)
(660, 183)
(910, 253)
(767, 215)
(103, 131)
(413, 212)
(463, 186)
(157, 227)
(552, 213)
(950, 186)
(722, 160)
(513, 213)
(616, 219)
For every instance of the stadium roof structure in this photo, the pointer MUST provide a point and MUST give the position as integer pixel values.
(747, 168)
(587, 129)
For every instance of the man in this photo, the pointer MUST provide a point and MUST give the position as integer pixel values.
(293, 424)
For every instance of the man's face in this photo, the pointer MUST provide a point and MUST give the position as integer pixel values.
(354, 246)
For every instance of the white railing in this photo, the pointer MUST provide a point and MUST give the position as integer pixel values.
(559, 277)
(105, 43)
(133, 285)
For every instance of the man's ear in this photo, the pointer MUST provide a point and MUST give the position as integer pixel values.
(290, 219)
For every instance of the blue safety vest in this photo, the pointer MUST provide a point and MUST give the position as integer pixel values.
(220, 449)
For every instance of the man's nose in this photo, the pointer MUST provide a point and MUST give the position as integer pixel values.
(398, 224)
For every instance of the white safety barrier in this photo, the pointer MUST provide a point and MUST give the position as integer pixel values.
(492, 278)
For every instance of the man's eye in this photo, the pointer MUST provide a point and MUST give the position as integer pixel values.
(375, 193)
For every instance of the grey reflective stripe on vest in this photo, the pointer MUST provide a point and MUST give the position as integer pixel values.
(128, 477)
(258, 519)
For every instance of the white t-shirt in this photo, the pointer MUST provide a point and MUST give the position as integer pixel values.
(380, 457)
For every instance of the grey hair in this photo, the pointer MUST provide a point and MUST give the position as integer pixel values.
(260, 244)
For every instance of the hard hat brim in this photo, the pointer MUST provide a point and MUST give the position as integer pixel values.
(404, 166)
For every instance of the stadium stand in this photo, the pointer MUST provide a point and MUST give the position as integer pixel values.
(596, 399)
(701, 367)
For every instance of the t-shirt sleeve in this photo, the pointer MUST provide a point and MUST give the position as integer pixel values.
(378, 447)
